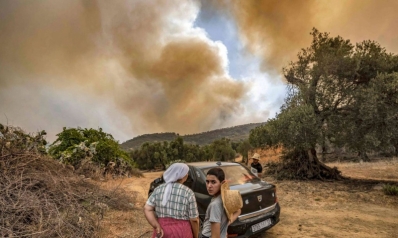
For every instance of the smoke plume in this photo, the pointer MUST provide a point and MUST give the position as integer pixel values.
(143, 60)
(277, 30)
(139, 66)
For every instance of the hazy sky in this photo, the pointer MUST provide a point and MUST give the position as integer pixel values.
(139, 66)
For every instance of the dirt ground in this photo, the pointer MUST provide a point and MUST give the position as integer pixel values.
(355, 207)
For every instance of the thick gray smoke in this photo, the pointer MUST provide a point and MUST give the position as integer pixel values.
(277, 30)
(139, 65)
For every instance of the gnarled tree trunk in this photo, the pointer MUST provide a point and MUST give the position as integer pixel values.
(304, 164)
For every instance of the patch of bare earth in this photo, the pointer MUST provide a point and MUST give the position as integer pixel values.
(129, 223)
(352, 208)
(356, 207)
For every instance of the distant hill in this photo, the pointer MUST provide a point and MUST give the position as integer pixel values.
(235, 134)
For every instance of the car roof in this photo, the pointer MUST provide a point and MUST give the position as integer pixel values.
(211, 164)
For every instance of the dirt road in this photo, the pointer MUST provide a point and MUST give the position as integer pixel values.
(352, 208)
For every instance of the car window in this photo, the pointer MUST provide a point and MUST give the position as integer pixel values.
(237, 174)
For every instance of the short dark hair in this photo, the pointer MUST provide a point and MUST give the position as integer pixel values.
(218, 172)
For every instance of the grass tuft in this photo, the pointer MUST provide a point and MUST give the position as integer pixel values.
(390, 190)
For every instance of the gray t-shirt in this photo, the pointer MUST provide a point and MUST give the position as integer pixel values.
(215, 213)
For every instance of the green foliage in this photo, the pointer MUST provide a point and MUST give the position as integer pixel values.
(390, 190)
(260, 136)
(73, 145)
(162, 155)
(222, 150)
(159, 155)
(243, 148)
(338, 93)
(293, 128)
(375, 123)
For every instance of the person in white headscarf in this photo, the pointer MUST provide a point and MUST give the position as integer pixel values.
(171, 209)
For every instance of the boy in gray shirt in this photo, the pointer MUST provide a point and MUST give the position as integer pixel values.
(215, 213)
(215, 224)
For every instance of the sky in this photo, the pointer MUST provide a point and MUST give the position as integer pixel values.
(134, 67)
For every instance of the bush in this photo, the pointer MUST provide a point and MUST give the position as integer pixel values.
(91, 152)
(390, 190)
(42, 198)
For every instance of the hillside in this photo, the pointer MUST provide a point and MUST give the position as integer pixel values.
(235, 134)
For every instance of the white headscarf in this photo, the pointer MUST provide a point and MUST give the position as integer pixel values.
(175, 172)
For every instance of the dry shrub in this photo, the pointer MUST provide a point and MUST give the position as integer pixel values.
(42, 198)
(120, 169)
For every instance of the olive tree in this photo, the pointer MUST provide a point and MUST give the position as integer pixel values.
(330, 96)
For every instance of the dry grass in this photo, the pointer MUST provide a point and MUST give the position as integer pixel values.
(129, 222)
(348, 208)
(382, 169)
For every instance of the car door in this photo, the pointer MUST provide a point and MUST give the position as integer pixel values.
(199, 187)
(190, 182)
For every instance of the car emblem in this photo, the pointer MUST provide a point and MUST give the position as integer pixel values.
(247, 201)
(260, 197)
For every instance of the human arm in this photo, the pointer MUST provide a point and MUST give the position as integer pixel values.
(217, 217)
(234, 216)
(215, 230)
(149, 212)
(193, 213)
(195, 226)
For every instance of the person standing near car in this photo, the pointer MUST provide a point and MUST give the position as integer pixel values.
(255, 164)
(216, 220)
(171, 209)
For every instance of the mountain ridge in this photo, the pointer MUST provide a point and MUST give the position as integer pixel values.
(235, 134)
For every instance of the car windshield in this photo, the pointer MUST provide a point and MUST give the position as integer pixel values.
(237, 174)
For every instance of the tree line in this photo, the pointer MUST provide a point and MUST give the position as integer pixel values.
(78, 146)
(161, 154)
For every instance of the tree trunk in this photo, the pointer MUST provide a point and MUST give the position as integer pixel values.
(396, 150)
(301, 164)
(245, 158)
(363, 156)
(323, 145)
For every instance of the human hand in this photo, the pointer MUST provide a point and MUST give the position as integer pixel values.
(159, 232)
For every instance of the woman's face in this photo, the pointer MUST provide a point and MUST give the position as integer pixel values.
(213, 185)
(184, 178)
